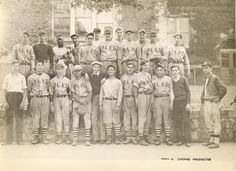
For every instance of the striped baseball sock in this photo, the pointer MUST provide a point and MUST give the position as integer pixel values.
(158, 132)
(87, 134)
(36, 132)
(146, 132)
(167, 132)
(117, 130)
(44, 131)
(212, 137)
(59, 133)
(67, 133)
(128, 133)
(108, 130)
(216, 139)
(134, 133)
(75, 133)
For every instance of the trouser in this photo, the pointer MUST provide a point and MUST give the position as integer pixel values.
(106, 64)
(39, 108)
(86, 116)
(24, 69)
(111, 117)
(181, 121)
(130, 116)
(98, 128)
(181, 68)
(144, 113)
(212, 120)
(14, 99)
(62, 115)
(162, 110)
(124, 66)
(87, 68)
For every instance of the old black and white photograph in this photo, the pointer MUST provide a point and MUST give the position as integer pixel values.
(113, 85)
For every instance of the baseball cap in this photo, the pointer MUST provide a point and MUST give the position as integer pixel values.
(153, 33)
(129, 30)
(130, 63)
(209, 64)
(107, 29)
(59, 36)
(96, 63)
(178, 34)
(161, 66)
(26, 33)
(142, 31)
(96, 30)
(59, 65)
(74, 35)
(41, 32)
(77, 68)
(14, 61)
(119, 28)
(89, 34)
(111, 66)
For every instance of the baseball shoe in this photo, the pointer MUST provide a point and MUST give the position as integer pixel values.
(134, 141)
(143, 142)
(179, 143)
(158, 142)
(187, 145)
(59, 139)
(45, 140)
(74, 142)
(35, 140)
(168, 142)
(214, 145)
(108, 140)
(87, 143)
(207, 144)
(102, 141)
(117, 141)
(148, 140)
(128, 140)
(67, 139)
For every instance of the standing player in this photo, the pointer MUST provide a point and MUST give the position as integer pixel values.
(213, 92)
(181, 107)
(88, 53)
(60, 102)
(162, 103)
(143, 98)
(44, 52)
(119, 36)
(154, 52)
(81, 92)
(38, 88)
(109, 102)
(129, 52)
(24, 54)
(129, 105)
(97, 34)
(98, 129)
(141, 43)
(109, 51)
(177, 55)
(14, 86)
(74, 49)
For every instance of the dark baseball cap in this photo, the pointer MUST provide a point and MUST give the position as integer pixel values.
(142, 31)
(76, 35)
(129, 30)
(178, 34)
(96, 30)
(41, 32)
(209, 64)
(89, 34)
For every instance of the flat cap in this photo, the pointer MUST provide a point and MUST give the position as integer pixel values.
(96, 63)
(209, 64)
(41, 32)
(77, 68)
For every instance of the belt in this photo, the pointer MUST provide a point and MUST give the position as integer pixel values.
(177, 62)
(23, 63)
(13, 92)
(108, 60)
(164, 95)
(60, 96)
(109, 98)
(40, 96)
(86, 63)
(82, 96)
(128, 96)
(144, 93)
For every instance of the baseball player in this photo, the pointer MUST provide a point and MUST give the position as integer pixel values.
(62, 54)
(181, 107)
(143, 97)
(43, 51)
(109, 51)
(119, 36)
(154, 52)
(109, 102)
(141, 42)
(88, 53)
(98, 128)
(177, 55)
(162, 103)
(38, 88)
(129, 51)
(81, 92)
(60, 102)
(97, 35)
(129, 105)
(25, 55)
(74, 48)
(213, 92)
(14, 86)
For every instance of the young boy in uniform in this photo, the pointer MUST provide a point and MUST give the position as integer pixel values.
(81, 92)
(60, 102)
(129, 105)
(109, 102)
(143, 97)
(181, 107)
(38, 87)
(162, 102)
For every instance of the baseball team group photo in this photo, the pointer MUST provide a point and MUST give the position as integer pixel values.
(143, 75)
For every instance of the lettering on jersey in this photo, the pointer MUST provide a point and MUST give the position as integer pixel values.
(108, 47)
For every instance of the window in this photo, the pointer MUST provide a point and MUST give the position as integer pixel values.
(225, 60)
(178, 25)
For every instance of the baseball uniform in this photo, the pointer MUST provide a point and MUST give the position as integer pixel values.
(129, 106)
(163, 95)
(38, 87)
(59, 90)
(110, 99)
(24, 54)
(143, 83)
(81, 90)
